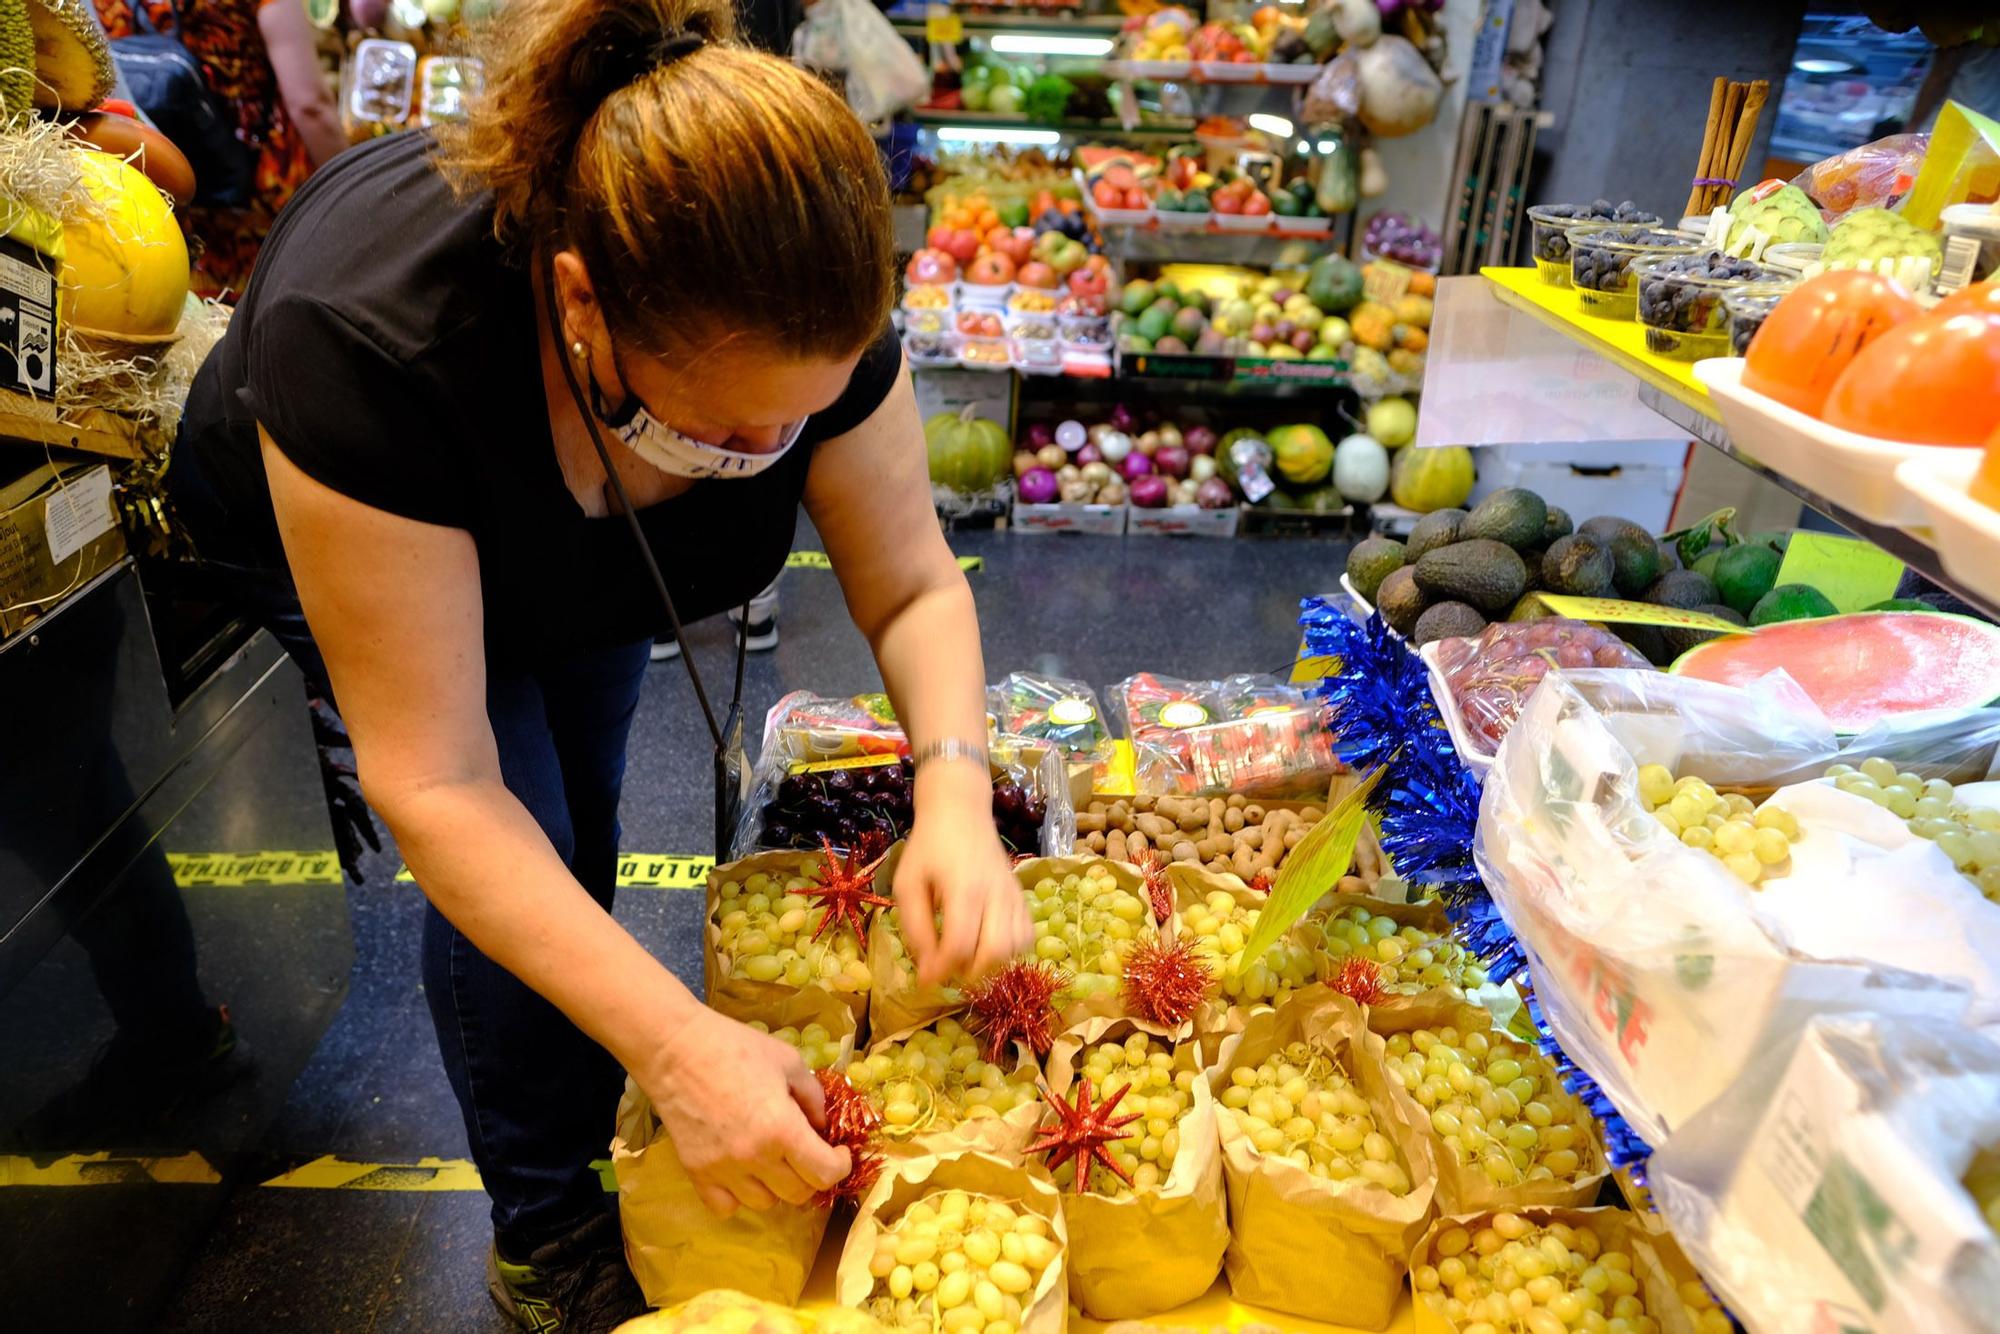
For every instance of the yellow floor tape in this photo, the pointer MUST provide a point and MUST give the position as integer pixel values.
(643, 870)
(105, 1169)
(331, 1173)
(816, 560)
(240, 870)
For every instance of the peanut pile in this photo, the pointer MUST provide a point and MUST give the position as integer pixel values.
(1225, 834)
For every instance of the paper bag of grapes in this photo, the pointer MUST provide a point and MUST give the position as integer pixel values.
(1148, 1228)
(958, 1242)
(940, 1089)
(1329, 1174)
(1544, 1271)
(780, 922)
(676, 1247)
(723, 1311)
(1858, 1173)
(1653, 886)
(1503, 1130)
(1088, 913)
(1217, 913)
(1413, 955)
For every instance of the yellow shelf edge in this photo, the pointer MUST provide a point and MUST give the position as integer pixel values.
(1621, 342)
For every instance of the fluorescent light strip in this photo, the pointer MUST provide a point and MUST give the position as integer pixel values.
(1270, 124)
(995, 134)
(1028, 44)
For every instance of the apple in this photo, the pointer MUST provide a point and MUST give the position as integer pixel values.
(1009, 242)
(1088, 282)
(991, 270)
(962, 245)
(1303, 340)
(931, 266)
(1036, 273)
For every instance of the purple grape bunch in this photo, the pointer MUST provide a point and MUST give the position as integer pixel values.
(847, 806)
(1404, 239)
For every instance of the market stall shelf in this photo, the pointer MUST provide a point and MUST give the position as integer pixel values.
(91, 430)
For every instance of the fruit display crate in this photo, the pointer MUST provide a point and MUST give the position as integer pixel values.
(1672, 389)
(1211, 71)
(90, 431)
(1232, 370)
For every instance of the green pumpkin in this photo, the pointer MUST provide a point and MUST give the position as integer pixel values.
(966, 452)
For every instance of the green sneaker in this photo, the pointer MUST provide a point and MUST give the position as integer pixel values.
(577, 1284)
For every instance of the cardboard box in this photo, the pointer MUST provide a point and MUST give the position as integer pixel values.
(1185, 521)
(58, 531)
(1101, 520)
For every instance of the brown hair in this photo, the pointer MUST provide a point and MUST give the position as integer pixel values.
(708, 188)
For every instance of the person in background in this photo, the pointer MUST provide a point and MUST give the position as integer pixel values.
(259, 57)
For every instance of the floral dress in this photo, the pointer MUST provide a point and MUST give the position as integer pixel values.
(223, 36)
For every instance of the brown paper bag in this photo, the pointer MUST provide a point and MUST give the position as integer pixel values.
(1153, 1250)
(904, 1181)
(723, 1311)
(1005, 1137)
(1660, 1272)
(811, 1005)
(1464, 1189)
(1222, 1015)
(1106, 1000)
(742, 997)
(895, 1000)
(676, 1247)
(1300, 1244)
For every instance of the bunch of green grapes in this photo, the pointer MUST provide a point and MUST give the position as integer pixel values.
(1969, 835)
(1219, 926)
(1494, 1104)
(1299, 1104)
(898, 949)
(1085, 923)
(1754, 842)
(1511, 1276)
(1161, 1095)
(766, 935)
(1408, 959)
(936, 1078)
(817, 1047)
(963, 1263)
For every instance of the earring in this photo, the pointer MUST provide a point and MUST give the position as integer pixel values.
(576, 350)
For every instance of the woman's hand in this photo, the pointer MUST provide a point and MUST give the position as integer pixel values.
(741, 1108)
(954, 864)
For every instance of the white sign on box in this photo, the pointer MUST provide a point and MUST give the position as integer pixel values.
(1495, 376)
(78, 513)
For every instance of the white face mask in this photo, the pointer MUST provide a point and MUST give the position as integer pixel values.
(679, 455)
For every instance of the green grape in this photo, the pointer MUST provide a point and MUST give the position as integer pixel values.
(959, 1262)
(1408, 959)
(1656, 784)
(1145, 1067)
(1968, 835)
(1506, 1275)
(816, 1046)
(1879, 770)
(1219, 926)
(938, 1077)
(1298, 1104)
(764, 929)
(1728, 825)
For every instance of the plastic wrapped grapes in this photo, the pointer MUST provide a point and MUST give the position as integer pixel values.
(1408, 959)
(1299, 1104)
(937, 1078)
(961, 1263)
(1754, 842)
(1969, 835)
(1507, 1273)
(763, 929)
(1144, 1066)
(1220, 925)
(1491, 677)
(1495, 1105)
(1086, 922)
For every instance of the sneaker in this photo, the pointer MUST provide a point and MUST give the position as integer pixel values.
(573, 1285)
(763, 636)
(666, 648)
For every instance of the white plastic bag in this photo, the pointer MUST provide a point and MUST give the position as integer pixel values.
(884, 74)
(1661, 974)
(1824, 1191)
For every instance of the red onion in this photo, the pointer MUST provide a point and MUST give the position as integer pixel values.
(1199, 440)
(1150, 491)
(1038, 487)
(1171, 460)
(1135, 466)
(1123, 420)
(1214, 494)
(1040, 434)
(1089, 454)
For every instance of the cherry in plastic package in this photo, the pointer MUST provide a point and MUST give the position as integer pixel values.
(1491, 677)
(1064, 713)
(1246, 734)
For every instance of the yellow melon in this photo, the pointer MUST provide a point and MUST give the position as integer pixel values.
(125, 266)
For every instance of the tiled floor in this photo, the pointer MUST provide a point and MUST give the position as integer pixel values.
(310, 1260)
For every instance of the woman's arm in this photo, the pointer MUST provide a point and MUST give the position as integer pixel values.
(869, 494)
(394, 605)
(292, 45)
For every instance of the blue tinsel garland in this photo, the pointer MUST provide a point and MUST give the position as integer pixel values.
(1380, 708)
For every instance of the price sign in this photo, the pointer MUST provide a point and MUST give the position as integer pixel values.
(1635, 613)
(1385, 281)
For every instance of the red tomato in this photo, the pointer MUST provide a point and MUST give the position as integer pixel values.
(1812, 335)
(1932, 381)
(1107, 195)
(1226, 201)
(1257, 206)
(1978, 297)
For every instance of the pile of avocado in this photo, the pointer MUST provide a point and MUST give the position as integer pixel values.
(1460, 570)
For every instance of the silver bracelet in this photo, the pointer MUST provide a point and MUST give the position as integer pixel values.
(949, 748)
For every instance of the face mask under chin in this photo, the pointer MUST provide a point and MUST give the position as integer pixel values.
(675, 453)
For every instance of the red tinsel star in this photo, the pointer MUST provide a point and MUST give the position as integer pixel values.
(1359, 980)
(1017, 1003)
(851, 1124)
(844, 887)
(1261, 882)
(1158, 889)
(1081, 1131)
(1163, 984)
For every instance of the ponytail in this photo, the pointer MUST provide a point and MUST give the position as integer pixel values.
(709, 189)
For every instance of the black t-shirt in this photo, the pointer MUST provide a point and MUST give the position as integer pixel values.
(389, 345)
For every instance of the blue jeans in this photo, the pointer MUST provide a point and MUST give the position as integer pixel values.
(539, 1097)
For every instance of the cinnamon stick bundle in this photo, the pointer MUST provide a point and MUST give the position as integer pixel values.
(1733, 112)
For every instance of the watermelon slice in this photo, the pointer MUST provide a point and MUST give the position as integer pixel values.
(1864, 666)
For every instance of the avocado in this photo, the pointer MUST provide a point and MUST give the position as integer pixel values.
(1373, 560)
(1400, 600)
(1439, 528)
(1682, 588)
(1746, 573)
(1486, 573)
(1647, 639)
(1635, 557)
(1513, 514)
(1558, 525)
(1670, 559)
(1705, 563)
(1901, 604)
(1679, 639)
(1579, 566)
(1791, 602)
(1448, 620)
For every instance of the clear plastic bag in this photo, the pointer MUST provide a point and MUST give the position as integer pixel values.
(1875, 175)
(1826, 1189)
(1250, 734)
(1661, 973)
(884, 74)
(1488, 679)
(1064, 713)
